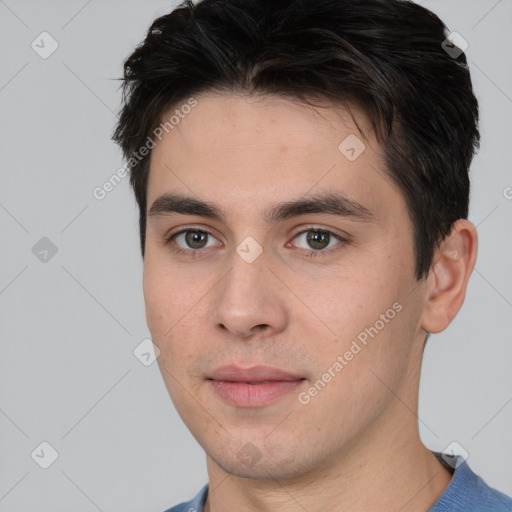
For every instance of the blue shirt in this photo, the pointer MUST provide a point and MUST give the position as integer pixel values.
(466, 492)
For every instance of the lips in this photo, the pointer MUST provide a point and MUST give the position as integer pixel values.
(255, 374)
(257, 386)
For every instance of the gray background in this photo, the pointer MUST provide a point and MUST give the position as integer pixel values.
(69, 325)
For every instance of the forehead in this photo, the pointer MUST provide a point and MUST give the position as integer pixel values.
(264, 149)
(248, 120)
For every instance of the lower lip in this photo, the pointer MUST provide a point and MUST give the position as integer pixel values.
(254, 395)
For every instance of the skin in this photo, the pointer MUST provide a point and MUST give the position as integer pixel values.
(356, 443)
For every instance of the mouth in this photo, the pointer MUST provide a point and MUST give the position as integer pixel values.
(257, 386)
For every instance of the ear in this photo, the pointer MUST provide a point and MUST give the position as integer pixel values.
(448, 277)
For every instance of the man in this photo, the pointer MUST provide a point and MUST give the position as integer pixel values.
(301, 168)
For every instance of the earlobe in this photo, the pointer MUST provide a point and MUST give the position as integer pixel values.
(449, 275)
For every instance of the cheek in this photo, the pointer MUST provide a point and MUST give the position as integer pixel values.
(352, 302)
(165, 295)
(165, 306)
(175, 315)
(158, 298)
(372, 321)
(378, 350)
(360, 388)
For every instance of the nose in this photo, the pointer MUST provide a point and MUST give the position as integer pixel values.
(250, 300)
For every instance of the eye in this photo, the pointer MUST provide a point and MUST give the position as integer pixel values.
(192, 239)
(319, 240)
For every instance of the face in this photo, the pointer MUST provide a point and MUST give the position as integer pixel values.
(283, 320)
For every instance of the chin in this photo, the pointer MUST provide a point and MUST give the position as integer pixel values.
(267, 464)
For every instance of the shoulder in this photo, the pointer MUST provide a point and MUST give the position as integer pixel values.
(195, 505)
(468, 492)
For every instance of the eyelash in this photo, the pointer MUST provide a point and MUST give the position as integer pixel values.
(309, 254)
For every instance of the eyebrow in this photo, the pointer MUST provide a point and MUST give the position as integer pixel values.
(328, 203)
